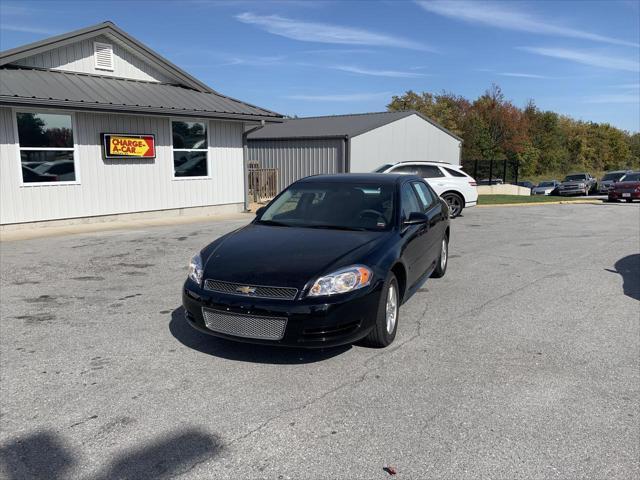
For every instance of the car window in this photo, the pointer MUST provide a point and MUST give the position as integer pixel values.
(424, 195)
(333, 205)
(405, 169)
(455, 173)
(409, 201)
(428, 171)
(382, 168)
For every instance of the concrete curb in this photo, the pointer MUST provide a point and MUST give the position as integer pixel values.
(42, 232)
(537, 204)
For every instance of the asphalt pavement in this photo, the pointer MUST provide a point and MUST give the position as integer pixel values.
(522, 362)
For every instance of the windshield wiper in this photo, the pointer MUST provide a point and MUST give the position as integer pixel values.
(275, 223)
(337, 227)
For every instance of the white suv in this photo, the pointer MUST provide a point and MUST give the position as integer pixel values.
(449, 181)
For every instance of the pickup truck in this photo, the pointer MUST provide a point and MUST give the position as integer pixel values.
(577, 184)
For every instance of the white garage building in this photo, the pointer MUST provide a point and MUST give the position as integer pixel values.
(350, 143)
(93, 123)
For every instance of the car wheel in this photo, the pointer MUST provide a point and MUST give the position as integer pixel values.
(384, 331)
(443, 259)
(455, 204)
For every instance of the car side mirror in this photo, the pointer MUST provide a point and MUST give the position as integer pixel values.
(416, 218)
(260, 211)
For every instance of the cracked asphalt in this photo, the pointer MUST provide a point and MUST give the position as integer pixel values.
(522, 362)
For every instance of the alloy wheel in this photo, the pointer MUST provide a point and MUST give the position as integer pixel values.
(444, 254)
(391, 308)
(455, 205)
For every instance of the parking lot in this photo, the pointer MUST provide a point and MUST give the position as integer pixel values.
(522, 362)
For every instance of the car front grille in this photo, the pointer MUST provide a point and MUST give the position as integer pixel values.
(246, 326)
(244, 290)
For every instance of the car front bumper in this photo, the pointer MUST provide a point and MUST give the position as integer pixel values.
(309, 322)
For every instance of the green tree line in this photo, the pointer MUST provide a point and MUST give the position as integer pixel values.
(493, 128)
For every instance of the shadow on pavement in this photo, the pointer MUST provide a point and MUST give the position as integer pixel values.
(629, 268)
(43, 455)
(244, 352)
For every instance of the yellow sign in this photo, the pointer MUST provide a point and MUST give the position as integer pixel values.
(118, 146)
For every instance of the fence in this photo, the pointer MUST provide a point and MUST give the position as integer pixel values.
(492, 172)
(263, 184)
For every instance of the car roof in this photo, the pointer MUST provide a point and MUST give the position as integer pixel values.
(427, 162)
(379, 178)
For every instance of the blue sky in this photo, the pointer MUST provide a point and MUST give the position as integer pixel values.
(580, 58)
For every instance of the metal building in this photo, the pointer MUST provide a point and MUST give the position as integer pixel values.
(300, 147)
(93, 123)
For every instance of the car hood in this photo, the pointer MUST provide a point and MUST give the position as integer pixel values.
(285, 256)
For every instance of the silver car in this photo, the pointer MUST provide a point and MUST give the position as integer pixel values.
(606, 182)
(545, 188)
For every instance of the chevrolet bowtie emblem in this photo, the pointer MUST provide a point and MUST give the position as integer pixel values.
(246, 290)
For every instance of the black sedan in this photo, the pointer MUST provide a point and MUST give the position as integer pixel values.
(327, 262)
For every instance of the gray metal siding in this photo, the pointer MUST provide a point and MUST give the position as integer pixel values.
(78, 57)
(296, 159)
(406, 139)
(120, 186)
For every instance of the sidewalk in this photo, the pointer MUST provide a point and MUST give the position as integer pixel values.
(40, 232)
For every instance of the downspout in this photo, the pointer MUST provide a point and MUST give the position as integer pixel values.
(245, 164)
(346, 155)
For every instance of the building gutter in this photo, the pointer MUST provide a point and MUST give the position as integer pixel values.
(245, 162)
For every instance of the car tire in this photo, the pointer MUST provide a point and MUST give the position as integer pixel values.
(384, 331)
(455, 203)
(441, 266)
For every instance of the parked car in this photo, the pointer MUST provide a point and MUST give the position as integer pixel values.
(449, 181)
(526, 184)
(628, 188)
(546, 187)
(606, 182)
(577, 184)
(327, 262)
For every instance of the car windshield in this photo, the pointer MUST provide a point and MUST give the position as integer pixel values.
(631, 177)
(382, 168)
(340, 206)
(546, 184)
(615, 176)
(573, 178)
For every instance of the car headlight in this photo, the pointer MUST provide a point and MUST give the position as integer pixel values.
(341, 281)
(195, 269)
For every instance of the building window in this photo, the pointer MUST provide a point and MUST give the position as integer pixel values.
(46, 147)
(190, 149)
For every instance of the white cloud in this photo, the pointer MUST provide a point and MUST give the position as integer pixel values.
(341, 97)
(256, 61)
(27, 29)
(522, 75)
(377, 73)
(325, 33)
(613, 98)
(504, 16)
(586, 58)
